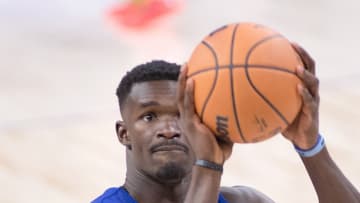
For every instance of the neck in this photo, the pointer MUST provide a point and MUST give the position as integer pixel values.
(145, 189)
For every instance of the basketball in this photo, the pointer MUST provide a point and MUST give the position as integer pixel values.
(245, 83)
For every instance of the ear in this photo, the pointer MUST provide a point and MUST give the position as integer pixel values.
(122, 134)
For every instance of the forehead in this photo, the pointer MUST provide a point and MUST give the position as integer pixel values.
(162, 92)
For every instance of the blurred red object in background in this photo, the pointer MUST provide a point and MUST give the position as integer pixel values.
(142, 14)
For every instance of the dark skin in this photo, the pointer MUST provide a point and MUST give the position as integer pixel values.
(152, 116)
(163, 133)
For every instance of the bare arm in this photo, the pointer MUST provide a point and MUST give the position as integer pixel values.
(205, 182)
(244, 194)
(204, 186)
(330, 183)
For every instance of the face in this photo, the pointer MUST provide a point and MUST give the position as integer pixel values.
(158, 148)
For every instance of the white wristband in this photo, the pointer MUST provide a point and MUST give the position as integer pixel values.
(320, 144)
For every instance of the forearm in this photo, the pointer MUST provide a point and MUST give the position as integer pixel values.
(330, 183)
(204, 186)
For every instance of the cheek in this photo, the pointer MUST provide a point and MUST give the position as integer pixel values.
(139, 151)
(145, 130)
(140, 139)
(139, 127)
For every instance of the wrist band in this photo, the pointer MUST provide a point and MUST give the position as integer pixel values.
(320, 144)
(209, 165)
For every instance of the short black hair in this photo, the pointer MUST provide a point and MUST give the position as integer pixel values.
(151, 71)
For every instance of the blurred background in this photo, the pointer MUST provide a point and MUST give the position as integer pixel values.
(61, 61)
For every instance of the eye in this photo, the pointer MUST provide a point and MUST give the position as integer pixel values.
(148, 117)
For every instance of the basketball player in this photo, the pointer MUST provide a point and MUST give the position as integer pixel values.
(172, 157)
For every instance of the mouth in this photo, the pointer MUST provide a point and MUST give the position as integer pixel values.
(169, 148)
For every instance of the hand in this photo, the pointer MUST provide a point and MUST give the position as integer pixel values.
(203, 142)
(305, 128)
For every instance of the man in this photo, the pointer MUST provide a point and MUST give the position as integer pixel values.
(172, 157)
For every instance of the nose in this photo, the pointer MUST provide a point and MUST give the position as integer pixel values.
(170, 130)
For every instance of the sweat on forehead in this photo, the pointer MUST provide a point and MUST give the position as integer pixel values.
(151, 71)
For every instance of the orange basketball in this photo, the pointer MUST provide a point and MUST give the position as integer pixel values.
(245, 82)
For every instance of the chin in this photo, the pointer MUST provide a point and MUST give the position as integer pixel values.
(173, 158)
(171, 172)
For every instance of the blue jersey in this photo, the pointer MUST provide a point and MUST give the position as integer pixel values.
(120, 195)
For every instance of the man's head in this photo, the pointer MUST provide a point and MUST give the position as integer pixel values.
(150, 130)
(152, 71)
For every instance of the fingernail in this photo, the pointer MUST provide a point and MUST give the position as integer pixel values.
(183, 67)
(190, 81)
(300, 87)
(300, 69)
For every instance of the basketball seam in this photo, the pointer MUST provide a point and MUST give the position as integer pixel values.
(214, 81)
(252, 66)
(232, 82)
(257, 44)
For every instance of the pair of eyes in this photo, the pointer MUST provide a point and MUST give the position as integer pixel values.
(150, 116)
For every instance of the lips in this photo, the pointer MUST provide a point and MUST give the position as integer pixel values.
(169, 148)
(163, 147)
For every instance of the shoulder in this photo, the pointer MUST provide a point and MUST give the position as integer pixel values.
(245, 194)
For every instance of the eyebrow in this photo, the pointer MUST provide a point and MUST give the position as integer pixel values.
(149, 103)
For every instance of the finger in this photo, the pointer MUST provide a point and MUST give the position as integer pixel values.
(309, 104)
(308, 62)
(189, 108)
(310, 81)
(181, 87)
(305, 57)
